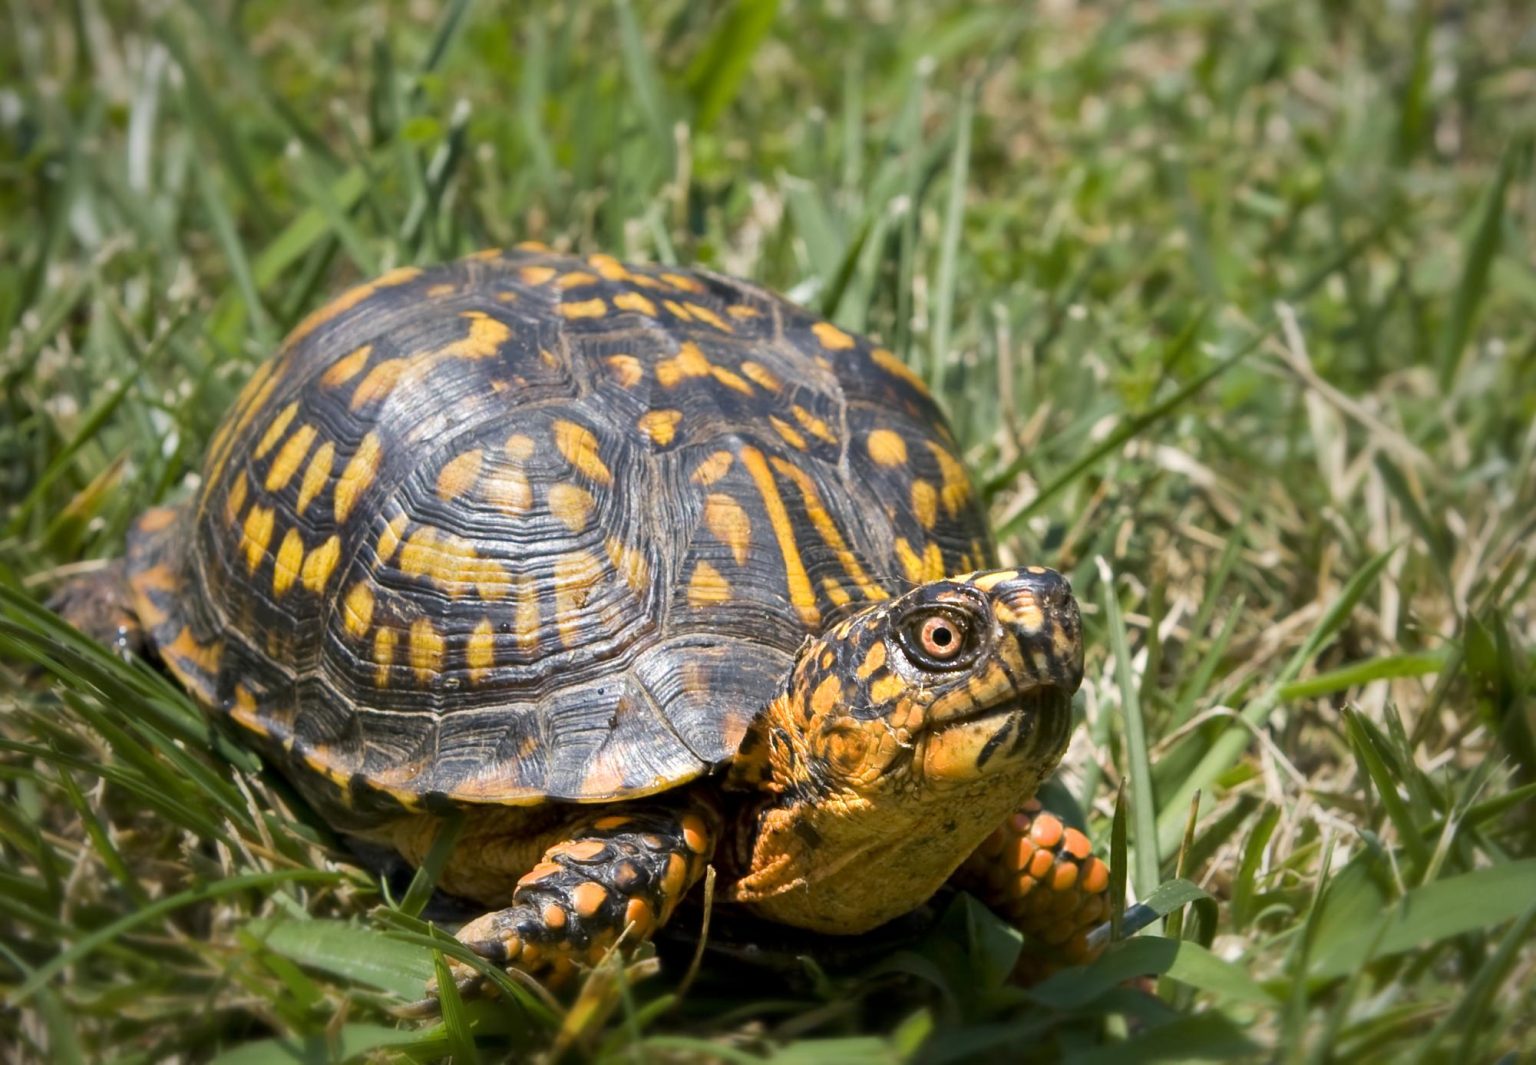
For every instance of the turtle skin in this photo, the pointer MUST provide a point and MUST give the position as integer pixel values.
(524, 533)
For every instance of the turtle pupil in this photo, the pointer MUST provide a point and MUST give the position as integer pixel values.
(939, 638)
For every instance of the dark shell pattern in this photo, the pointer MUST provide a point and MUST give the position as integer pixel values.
(527, 527)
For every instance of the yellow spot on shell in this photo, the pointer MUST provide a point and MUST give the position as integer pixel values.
(634, 301)
(729, 523)
(347, 367)
(704, 314)
(684, 282)
(609, 267)
(579, 447)
(886, 448)
(452, 563)
(712, 468)
(286, 566)
(289, 456)
(347, 300)
(319, 563)
(357, 476)
(832, 338)
(660, 425)
(486, 335)
(357, 610)
(731, 380)
(629, 562)
(536, 275)
(928, 566)
(576, 278)
(741, 310)
(380, 382)
(519, 448)
(275, 430)
(234, 501)
(458, 475)
(925, 503)
(389, 538)
(571, 504)
(441, 289)
(761, 374)
(576, 575)
(592, 308)
(626, 369)
(527, 615)
(801, 595)
(828, 529)
(677, 309)
(707, 586)
(957, 485)
(688, 362)
(835, 592)
(790, 434)
(255, 536)
(290, 558)
(812, 424)
(892, 365)
(507, 490)
(316, 474)
(426, 650)
(384, 640)
(481, 651)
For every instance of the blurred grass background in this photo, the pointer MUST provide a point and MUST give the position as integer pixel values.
(1233, 305)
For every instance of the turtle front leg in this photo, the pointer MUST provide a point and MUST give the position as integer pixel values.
(1043, 878)
(617, 873)
(100, 605)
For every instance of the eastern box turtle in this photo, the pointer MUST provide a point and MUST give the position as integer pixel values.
(643, 569)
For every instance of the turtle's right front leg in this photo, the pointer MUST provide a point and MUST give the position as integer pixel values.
(615, 873)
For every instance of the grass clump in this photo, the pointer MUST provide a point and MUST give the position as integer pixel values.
(1232, 308)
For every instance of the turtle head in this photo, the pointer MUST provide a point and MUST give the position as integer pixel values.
(921, 720)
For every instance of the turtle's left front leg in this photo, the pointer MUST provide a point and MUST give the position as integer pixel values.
(1043, 878)
(613, 873)
(100, 605)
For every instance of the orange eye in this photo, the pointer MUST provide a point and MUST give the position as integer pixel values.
(940, 637)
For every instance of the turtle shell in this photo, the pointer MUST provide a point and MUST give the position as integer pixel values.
(527, 527)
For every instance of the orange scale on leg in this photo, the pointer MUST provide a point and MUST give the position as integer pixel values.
(1040, 864)
(1046, 831)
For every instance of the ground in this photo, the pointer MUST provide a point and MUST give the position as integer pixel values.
(1233, 308)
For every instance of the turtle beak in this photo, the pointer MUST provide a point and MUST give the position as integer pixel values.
(1035, 607)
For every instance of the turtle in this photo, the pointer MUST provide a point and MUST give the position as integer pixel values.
(632, 569)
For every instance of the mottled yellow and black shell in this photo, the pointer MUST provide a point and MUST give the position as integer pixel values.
(528, 527)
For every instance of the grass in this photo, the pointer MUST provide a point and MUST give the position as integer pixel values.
(1232, 305)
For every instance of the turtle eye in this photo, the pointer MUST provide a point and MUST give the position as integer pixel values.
(939, 639)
